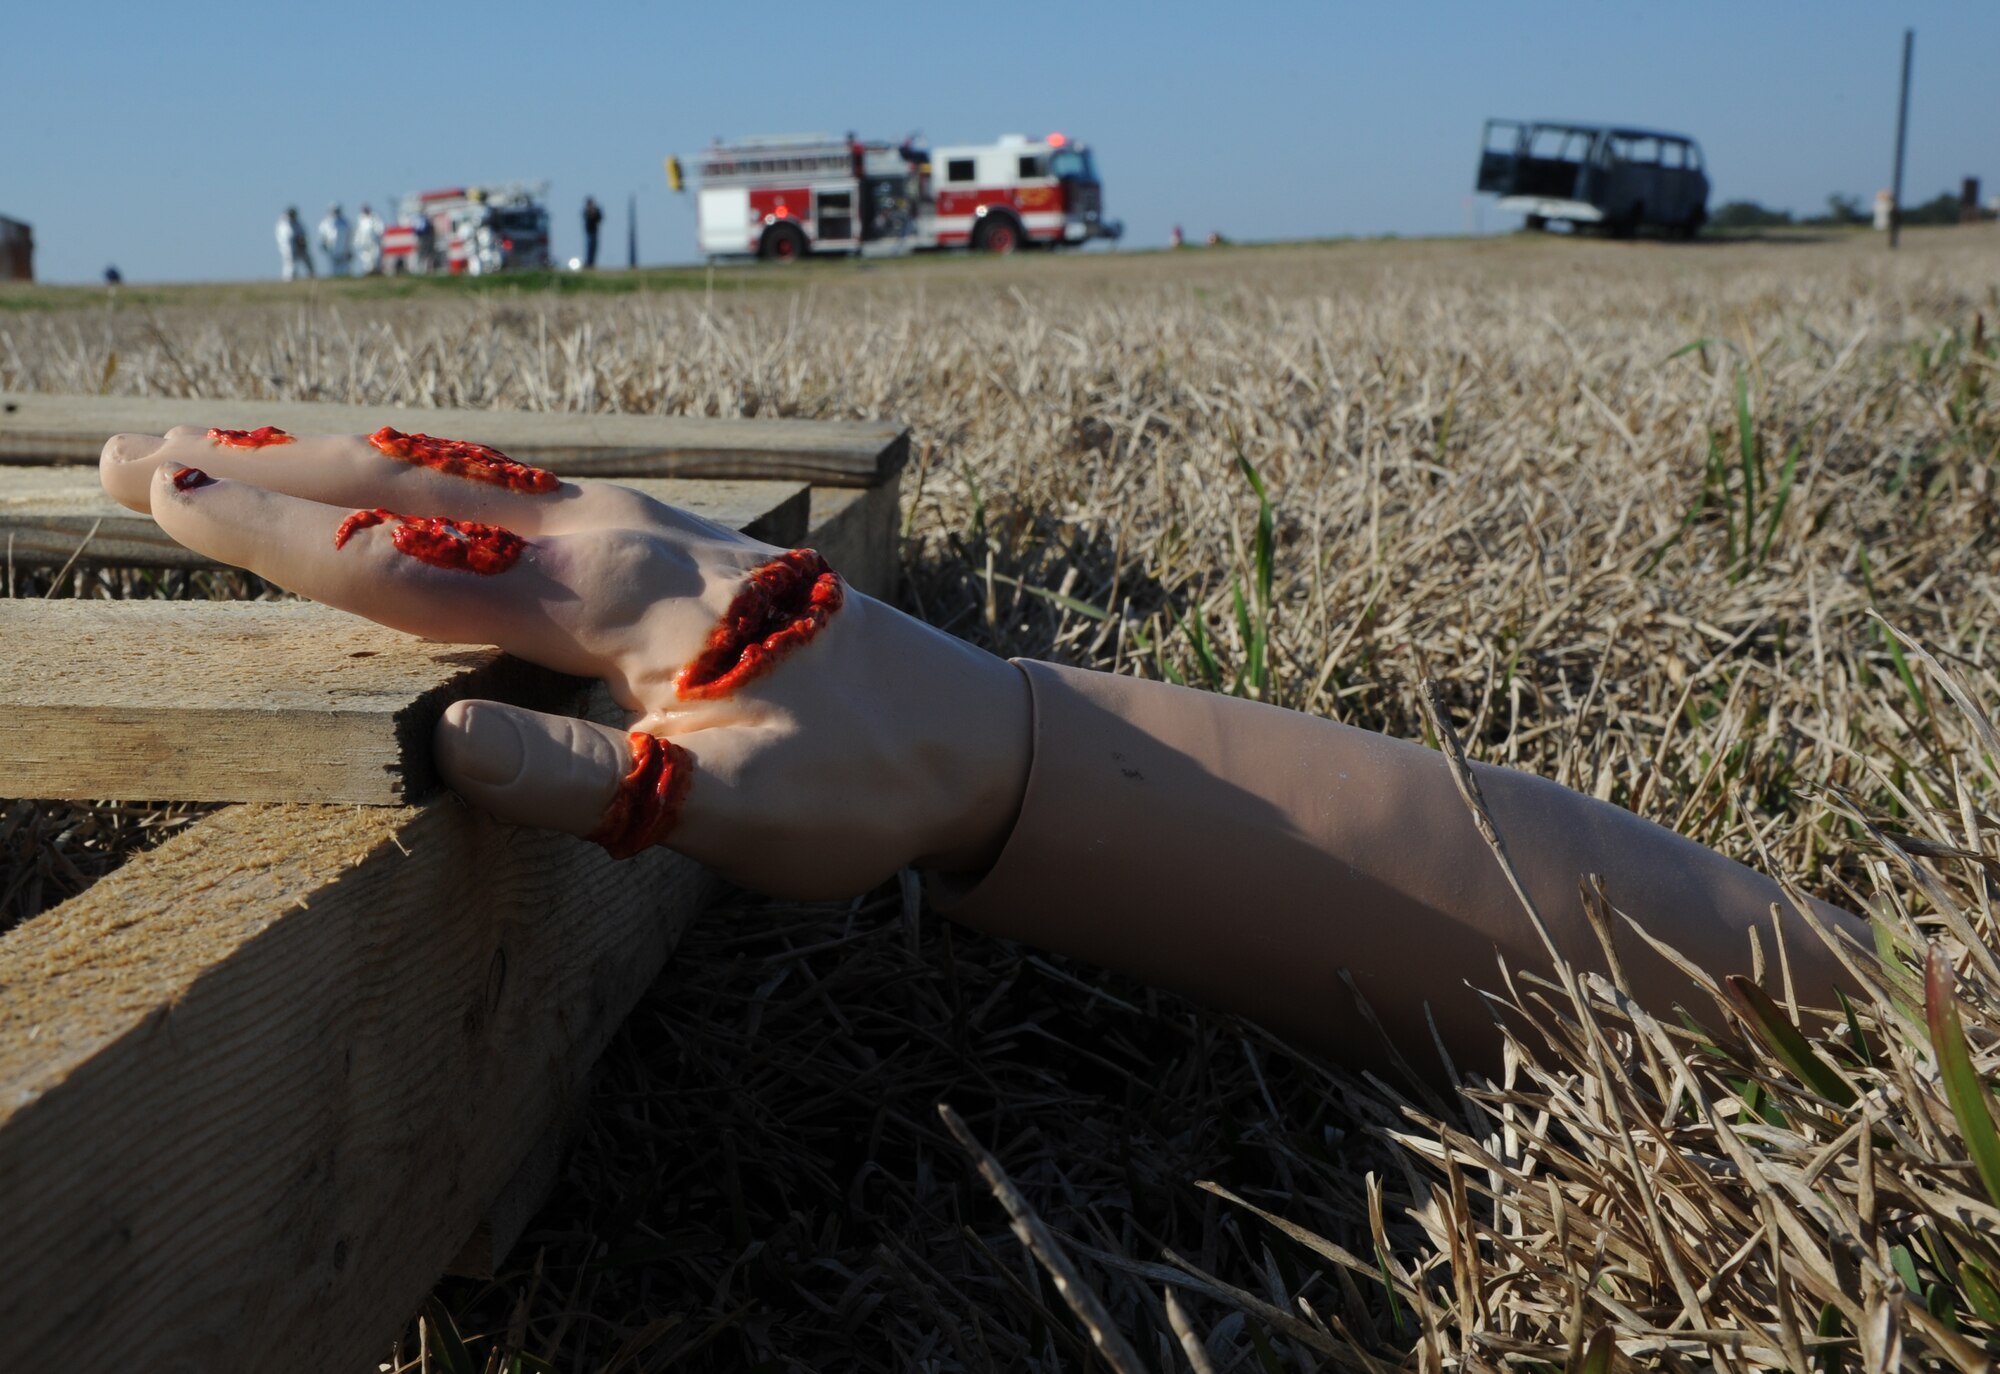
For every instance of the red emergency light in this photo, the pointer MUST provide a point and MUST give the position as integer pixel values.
(1057, 140)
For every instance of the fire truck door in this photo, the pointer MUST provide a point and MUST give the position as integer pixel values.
(836, 216)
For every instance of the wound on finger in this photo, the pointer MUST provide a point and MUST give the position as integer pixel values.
(459, 458)
(268, 436)
(456, 545)
(649, 797)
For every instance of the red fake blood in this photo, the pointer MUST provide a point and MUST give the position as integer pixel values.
(268, 437)
(649, 798)
(786, 603)
(460, 545)
(458, 458)
(187, 479)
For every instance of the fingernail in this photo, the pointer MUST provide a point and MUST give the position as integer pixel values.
(130, 448)
(479, 745)
(187, 479)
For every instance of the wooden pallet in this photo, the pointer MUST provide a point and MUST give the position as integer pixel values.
(72, 429)
(261, 1086)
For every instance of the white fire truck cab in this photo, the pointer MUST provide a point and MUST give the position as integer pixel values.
(786, 197)
(997, 197)
(471, 230)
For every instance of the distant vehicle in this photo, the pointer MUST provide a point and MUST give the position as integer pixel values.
(786, 197)
(1617, 179)
(17, 250)
(471, 230)
(1013, 193)
(783, 197)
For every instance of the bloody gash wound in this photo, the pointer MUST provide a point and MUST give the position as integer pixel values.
(269, 436)
(457, 458)
(187, 479)
(649, 797)
(784, 604)
(461, 545)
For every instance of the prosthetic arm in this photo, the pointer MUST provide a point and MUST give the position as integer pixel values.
(806, 740)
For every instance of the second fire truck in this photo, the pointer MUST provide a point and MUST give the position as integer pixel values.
(784, 198)
(472, 230)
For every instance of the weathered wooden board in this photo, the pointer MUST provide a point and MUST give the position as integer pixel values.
(233, 701)
(51, 515)
(36, 428)
(858, 532)
(258, 1086)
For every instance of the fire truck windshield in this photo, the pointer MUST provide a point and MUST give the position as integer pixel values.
(1072, 164)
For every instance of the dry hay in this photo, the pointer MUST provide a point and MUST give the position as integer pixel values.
(1649, 514)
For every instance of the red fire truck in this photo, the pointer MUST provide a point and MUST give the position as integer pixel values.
(996, 197)
(470, 229)
(786, 197)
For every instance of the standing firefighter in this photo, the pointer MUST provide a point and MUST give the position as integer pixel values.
(368, 243)
(294, 256)
(593, 216)
(336, 240)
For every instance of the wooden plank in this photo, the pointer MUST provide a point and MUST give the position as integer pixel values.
(859, 533)
(233, 701)
(37, 428)
(49, 515)
(258, 1086)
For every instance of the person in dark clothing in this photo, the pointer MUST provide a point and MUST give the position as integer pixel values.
(593, 215)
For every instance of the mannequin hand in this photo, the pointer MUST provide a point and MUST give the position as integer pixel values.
(848, 742)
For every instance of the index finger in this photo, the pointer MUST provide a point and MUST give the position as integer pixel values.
(420, 474)
(459, 581)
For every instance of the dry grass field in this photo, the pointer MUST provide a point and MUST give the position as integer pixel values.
(1707, 531)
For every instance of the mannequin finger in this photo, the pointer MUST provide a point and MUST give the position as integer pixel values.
(458, 581)
(413, 473)
(622, 789)
(530, 768)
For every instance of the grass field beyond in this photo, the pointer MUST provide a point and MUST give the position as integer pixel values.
(1707, 531)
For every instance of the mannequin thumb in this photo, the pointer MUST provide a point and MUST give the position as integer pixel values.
(528, 768)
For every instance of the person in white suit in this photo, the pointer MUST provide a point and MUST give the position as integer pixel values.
(367, 243)
(336, 240)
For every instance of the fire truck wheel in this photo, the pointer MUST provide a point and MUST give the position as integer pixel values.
(997, 235)
(782, 243)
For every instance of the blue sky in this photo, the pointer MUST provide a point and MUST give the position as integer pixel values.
(167, 138)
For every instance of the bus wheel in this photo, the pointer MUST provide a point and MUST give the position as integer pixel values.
(1537, 223)
(782, 243)
(1627, 224)
(996, 235)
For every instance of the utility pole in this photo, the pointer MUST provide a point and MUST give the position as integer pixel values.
(1902, 132)
(632, 230)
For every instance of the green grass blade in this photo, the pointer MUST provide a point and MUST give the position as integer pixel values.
(445, 1344)
(1596, 1356)
(1770, 1024)
(1962, 1088)
(1786, 477)
(1854, 1029)
(1747, 456)
(1830, 1359)
(1068, 603)
(1980, 1294)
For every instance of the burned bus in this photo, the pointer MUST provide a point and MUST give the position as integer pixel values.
(1614, 179)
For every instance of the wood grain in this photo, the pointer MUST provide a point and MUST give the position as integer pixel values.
(858, 532)
(37, 428)
(233, 701)
(258, 1086)
(50, 515)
